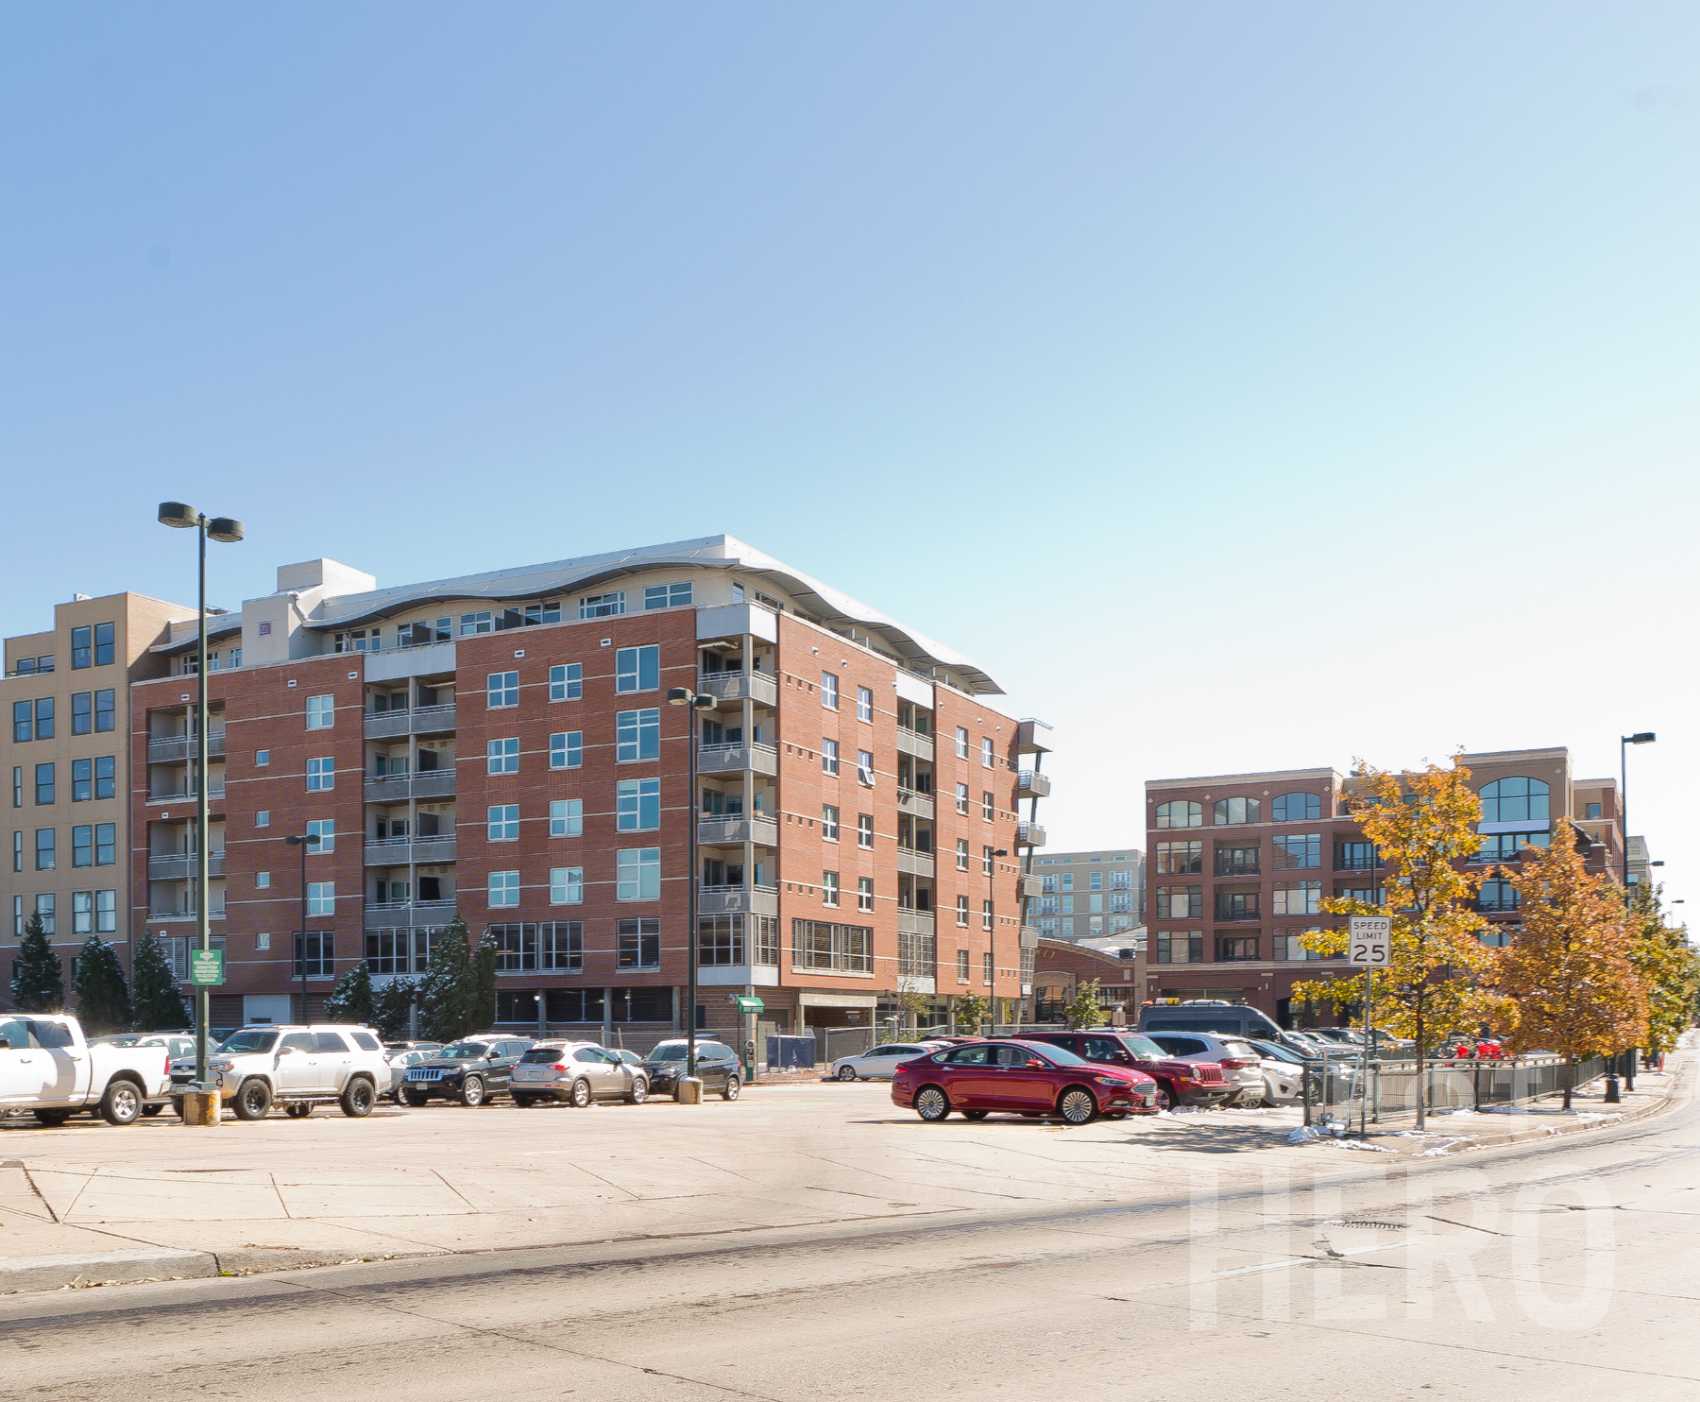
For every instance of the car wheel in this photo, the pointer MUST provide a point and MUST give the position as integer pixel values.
(639, 1091)
(472, 1091)
(932, 1104)
(253, 1100)
(357, 1098)
(580, 1094)
(846, 1073)
(1076, 1106)
(415, 1098)
(299, 1111)
(733, 1086)
(53, 1117)
(122, 1103)
(975, 1114)
(151, 1110)
(1165, 1101)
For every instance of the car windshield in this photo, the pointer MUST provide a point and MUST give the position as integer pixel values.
(1141, 1046)
(542, 1054)
(465, 1051)
(1275, 1053)
(1238, 1049)
(669, 1051)
(250, 1039)
(1063, 1056)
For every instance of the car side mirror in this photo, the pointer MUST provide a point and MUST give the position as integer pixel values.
(5, 1044)
(1034, 1064)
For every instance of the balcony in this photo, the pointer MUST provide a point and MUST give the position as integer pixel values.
(1030, 783)
(1227, 915)
(422, 720)
(423, 783)
(162, 749)
(168, 913)
(911, 861)
(404, 851)
(733, 830)
(408, 915)
(735, 758)
(184, 795)
(1032, 737)
(1032, 886)
(737, 900)
(915, 803)
(180, 866)
(914, 743)
(915, 922)
(735, 686)
(1030, 834)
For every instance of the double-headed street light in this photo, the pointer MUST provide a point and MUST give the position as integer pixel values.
(1640, 737)
(695, 701)
(227, 530)
(992, 937)
(307, 842)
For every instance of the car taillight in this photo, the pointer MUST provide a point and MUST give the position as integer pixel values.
(1234, 1063)
(559, 1066)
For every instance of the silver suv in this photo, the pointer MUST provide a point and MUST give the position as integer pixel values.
(1238, 1059)
(296, 1067)
(577, 1072)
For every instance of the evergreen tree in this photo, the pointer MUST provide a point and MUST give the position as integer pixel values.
(38, 978)
(392, 1007)
(351, 1000)
(448, 993)
(484, 975)
(157, 1005)
(103, 998)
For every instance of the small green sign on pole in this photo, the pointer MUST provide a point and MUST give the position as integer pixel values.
(206, 967)
(746, 1004)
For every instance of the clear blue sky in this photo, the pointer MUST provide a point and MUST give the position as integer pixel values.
(1244, 386)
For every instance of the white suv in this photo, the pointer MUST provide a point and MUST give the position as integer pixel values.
(296, 1067)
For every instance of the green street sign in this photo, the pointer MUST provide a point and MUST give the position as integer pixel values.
(206, 967)
(747, 1005)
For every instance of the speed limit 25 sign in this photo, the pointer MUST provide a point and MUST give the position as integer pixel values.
(1370, 940)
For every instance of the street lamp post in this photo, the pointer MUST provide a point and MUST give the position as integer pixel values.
(1640, 737)
(306, 841)
(992, 936)
(226, 530)
(695, 702)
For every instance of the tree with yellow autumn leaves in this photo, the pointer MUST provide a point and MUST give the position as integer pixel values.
(1667, 964)
(1441, 976)
(1569, 968)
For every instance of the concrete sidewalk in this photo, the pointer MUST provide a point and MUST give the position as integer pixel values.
(87, 1204)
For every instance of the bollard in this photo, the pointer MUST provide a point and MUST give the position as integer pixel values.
(201, 1107)
(690, 1090)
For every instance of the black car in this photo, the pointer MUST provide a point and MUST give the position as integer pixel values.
(717, 1068)
(470, 1071)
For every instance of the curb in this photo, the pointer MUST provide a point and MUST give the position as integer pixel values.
(89, 1270)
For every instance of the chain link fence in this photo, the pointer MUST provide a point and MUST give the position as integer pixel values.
(1336, 1088)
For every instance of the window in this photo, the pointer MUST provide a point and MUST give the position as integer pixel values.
(1121, 901)
(1180, 858)
(1300, 898)
(501, 690)
(865, 894)
(566, 886)
(105, 710)
(829, 947)
(1302, 851)
(321, 898)
(985, 915)
(1508, 846)
(1238, 905)
(46, 907)
(720, 940)
(105, 844)
(501, 822)
(315, 954)
(263, 818)
(962, 799)
(1289, 946)
(667, 596)
(986, 861)
(1515, 800)
(104, 638)
(46, 857)
(262, 880)
(566, 682)
(1180, 947)
(1179, 814)
(566, 749)
(44, 718)
(865, 830)
(637, 669)
(865, 767)
(637, 874)
(262, 759)
(321, 836)
(23, 726)
(1237, 861)
(46, 782)
(479, 621)
(829, 822)
(1354, 856)
(321, 774)
(988, 806)
(1498, 895)
(1236, 810)
(82, 712)
(1592, 812)
(829, 690)
(560, 946)
(82, 647)
(1296, 808)
(985, 968)
(1180, 902)
(829, 888)
(566, 817)
(1367, 895)
(639, 943)
(962, 912)
(601, 605)
(82, 912)
(864, 705)
(962, 742)
(988, 754)
(638, 805)
(962, 854)
(1234, 949)
(637, 735)
(502, 889)
(18, 782)
(502, 756)
(829, 756)
(962, 966)
(321, 712)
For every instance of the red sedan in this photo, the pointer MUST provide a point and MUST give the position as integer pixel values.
(1024, 1078)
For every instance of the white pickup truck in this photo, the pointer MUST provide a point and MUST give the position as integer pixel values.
(48, 1067)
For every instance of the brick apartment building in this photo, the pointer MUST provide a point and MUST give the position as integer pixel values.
(1240, 863)
(500, 747)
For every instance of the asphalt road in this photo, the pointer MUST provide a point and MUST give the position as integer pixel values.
(1567, 1269)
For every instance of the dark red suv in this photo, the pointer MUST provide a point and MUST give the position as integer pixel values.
(1178, 1082)
(1021, 1077)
